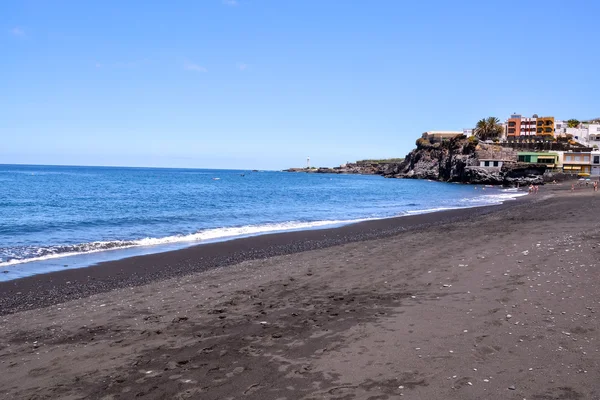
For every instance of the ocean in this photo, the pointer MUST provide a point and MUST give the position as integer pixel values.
(57, 217)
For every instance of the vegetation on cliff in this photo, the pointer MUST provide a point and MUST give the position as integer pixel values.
(488, 128)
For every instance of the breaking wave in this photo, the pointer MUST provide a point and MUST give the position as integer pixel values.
(46, 253)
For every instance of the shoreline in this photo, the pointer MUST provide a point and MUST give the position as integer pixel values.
(50, 288)
(66, 261)
(500, 302)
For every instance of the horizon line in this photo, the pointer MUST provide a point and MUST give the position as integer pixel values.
(138, 167)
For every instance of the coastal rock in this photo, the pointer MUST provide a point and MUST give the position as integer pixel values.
(458, 160)
(359, 168)
(482, 175)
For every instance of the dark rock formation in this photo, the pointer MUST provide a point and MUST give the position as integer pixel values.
(350, 168)
(457, 160)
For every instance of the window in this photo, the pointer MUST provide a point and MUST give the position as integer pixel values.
(577, 158)
(596, 159)
(487, 164)
(586, 158)
(568, 157)
(495, 163)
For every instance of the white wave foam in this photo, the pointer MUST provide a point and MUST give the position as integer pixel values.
(202, 236)
(496, 198)
(485, 200)
(235, 232)
(430, 210)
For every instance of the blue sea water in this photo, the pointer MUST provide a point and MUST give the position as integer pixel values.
(54, 217)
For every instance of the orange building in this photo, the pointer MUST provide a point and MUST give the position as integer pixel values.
(534, 128)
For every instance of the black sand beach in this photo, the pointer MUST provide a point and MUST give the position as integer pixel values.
(47, 289)
(488, 303)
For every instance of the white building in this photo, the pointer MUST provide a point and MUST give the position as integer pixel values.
(595, 159)
(468, 132)
(490, 163)
(560, 128)
(579, 134)
(593, 133)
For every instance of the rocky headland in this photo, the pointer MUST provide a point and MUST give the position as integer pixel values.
(458, 160)
(359, 167)
(455, 160)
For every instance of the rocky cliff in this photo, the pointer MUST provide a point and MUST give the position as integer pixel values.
(457, 160)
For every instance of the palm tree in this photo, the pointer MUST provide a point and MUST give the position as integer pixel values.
(488, 128)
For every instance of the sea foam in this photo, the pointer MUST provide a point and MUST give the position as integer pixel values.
(208, 235)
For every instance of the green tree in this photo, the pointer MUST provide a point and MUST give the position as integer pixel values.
(572, 123)
(488, 128)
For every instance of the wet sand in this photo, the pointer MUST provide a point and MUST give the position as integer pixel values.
(490, 303)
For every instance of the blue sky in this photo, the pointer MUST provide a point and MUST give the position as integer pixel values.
(265, 83)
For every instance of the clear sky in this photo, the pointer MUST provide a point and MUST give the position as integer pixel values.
(265, 83)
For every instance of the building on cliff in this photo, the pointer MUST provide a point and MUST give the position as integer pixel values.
(440, 136)
(519, 128)
(587, 134)
(493, 162)
(468, 132)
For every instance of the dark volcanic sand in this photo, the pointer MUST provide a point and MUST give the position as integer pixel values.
(494, 303)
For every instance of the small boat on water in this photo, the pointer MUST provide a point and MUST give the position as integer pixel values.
(216, 179)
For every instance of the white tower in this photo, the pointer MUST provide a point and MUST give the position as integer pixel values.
(308, 162)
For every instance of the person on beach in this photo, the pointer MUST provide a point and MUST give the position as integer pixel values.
(572, 187)
(530, 188)
(595, 186)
